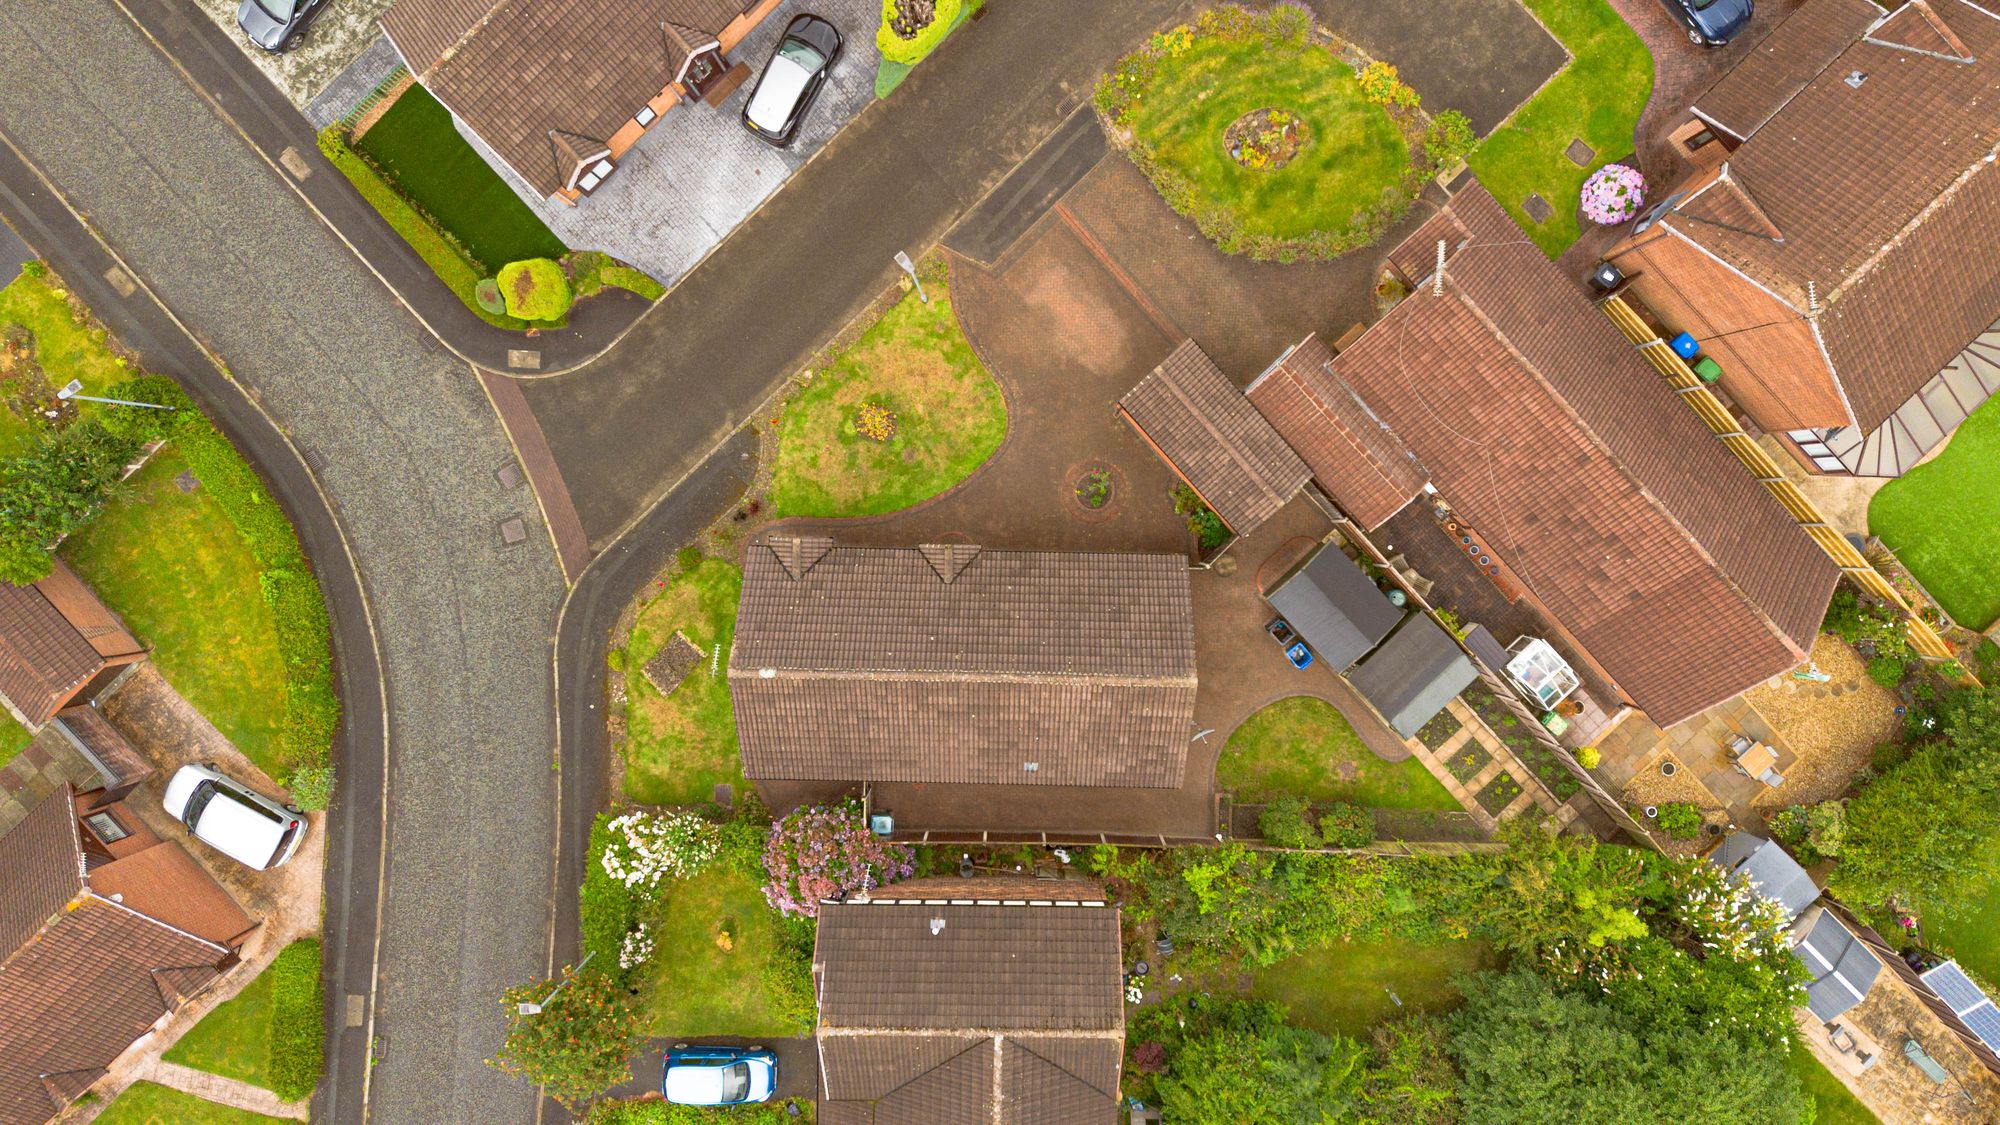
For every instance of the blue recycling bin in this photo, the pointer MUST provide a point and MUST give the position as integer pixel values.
(1684, 346)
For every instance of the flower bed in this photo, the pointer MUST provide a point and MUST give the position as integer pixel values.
(1552, 773)
(1439, 730)
(1499, 793)
(1470, 759)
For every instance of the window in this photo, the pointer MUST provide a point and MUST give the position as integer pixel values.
(105, 827)
(645, 116)
(1813, 444)
(1653, 216)
(1698, 140)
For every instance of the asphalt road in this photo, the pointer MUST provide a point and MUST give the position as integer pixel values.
(408, 445)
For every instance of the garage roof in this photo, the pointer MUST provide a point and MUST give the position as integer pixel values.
(1334, 606)
(1413, 674)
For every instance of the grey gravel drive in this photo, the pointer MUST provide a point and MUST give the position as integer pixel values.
(410, 444)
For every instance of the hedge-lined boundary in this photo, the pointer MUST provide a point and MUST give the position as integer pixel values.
(305, 634)
(298, 1037)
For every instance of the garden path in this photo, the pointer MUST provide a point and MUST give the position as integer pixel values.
(215, 1088)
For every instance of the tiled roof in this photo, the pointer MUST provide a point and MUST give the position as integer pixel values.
(1355, 457)
(951, 664)
(164, 882)
(118, 764)
(1774, 71)
(1880, 174)
(1603, 493)
(43, 860)
(43, 659)
(1197, 419)
(516, 70)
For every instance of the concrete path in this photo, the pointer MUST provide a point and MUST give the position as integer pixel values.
(409, 446)
(220, 1090)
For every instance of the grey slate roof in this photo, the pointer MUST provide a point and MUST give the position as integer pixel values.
(946, 663)
(1413, 674)
(1197, 419)
(1334, 606)
(1772, 871)
(1842, 969)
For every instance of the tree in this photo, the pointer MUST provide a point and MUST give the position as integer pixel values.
(1412, 1081)
(1555, 891)
(1231, 1061)
(579, 1043)
(52, 490)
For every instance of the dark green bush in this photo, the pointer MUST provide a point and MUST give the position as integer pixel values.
(787, 976)
(298, 1038)
(1887, 670)
(53, 489)
(1283, 822)
(607, 909)
(1347, 826)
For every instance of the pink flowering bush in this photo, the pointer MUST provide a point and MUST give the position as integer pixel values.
(824, 852)
(1613, 194)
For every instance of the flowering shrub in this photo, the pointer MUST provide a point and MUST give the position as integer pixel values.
(644, 847)
(1724, 914)
(1383, 85)
(637, 950)
(823, 852)
(1613, 194)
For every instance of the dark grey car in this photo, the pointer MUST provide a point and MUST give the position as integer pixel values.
(1711, 23)
(791, 80)
(277, 25)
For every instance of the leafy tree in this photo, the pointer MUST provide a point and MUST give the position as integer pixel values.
(1563, 890)
(52, 490)
(1283, 822)
(1232, 1061)
(579, 1043)
(1412, 1081)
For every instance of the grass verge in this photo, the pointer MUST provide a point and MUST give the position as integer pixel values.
(1940, 519)
(1837, 1104)
(1303, 747)
(268, 1034)
(1596, 98)
(948, 416)
(144, 1103)
(1346, 989)
(67, 346)
(679, 747)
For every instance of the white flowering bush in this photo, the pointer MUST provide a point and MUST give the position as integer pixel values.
(647, 847)
(637, 950)
(1725, 915)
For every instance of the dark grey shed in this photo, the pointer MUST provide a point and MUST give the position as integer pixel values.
(1842, 969)
(1413, 674)
(1770, 869)
(1334, 606)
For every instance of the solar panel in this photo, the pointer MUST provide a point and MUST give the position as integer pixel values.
(1954, 987)
(1985, 1023)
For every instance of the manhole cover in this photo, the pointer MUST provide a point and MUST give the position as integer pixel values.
(509, 476)
(1537, 208)
(187, 481)
(1580, 154)
(514, 531)
(724, 795)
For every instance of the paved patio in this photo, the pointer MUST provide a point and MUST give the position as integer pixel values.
(698, 173)
(1698, 749)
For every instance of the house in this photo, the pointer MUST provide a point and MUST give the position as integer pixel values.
(1496, 417)
(970, 1001)
(562, 89)
(946, 663)
(59, 646)
(1833, 251)
(106, 931)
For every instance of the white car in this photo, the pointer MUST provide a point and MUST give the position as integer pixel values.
(248, 827)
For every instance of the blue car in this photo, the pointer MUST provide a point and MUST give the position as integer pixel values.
(719, 1075)
(1711, 23)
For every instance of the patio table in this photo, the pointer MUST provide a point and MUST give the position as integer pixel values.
(1758, 759)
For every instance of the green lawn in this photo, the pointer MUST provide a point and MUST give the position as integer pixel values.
(1344, 989)
(144, 1103)
(1303, 746)
(1354, 155)
(417, 147)
(697, 987)
(1972, 937)
(14, 738)
(1940, 519)
(1597, 98)
(949, 416)
(65, 347)
(174, 566)
(1837, 1105)
(680, 746)
(234, 1040)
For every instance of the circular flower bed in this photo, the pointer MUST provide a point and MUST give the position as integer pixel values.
(1613, 194)
(1266, 138)
(1093, 488)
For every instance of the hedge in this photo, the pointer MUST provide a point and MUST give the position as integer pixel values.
(910, 52)
(298, 1037)
(655, 1112)
(535, 289)
(606, 908)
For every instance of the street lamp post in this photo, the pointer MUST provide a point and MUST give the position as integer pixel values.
(534, 1007)
(910, 268)
(70, 391)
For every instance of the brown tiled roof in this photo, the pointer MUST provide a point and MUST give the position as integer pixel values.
(961, 665)
(1357, 458)
(1775, 70)
(1197, 419)
(165, 882)
(983, 887)
(91, 618)
(515, 71)
(121, 765)
(1886, 194)
(43, 659)
(1603, 493)
(1034, 991)
(43, 860)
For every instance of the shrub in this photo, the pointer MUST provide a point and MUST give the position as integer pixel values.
(1207, 527)
(641, 848)
(1588, 757)
(912, 29)
(652, 1111)
(298, 1038)
(578, 1044)
(53, 489)
(311, 787)
(1886, 670)
(535, 289)
(1347, 826)
(823, 852)
(1283, 822)
(1449, 139)
(1613, 194)
(1814, 832)
(787, 974)
(1381, 84)
(607, 908)
(1680, 819)
(1288, 23)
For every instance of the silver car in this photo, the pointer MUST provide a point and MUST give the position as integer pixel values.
(248, 827)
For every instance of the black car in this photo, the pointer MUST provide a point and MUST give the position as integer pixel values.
(791, 80)
(277, 25)
(1711, 23)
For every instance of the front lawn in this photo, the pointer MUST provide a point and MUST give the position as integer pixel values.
(181, 575)
(1940, 519)
(66, 347)
(840, 455)
(1837, 1104)
(415, 145)
(716, 938)
(679, 747)
(1345, 989)
(269, 1033)
(1303, 747)
(1596, 98)
(144, 1103)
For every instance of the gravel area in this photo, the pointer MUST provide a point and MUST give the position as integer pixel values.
(336, 38)
(1648, 787)
(1833, 727)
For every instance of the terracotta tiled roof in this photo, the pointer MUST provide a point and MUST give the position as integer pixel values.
(951, 664)
(1026, 1002)
(43, 659)
(43, 860)
(1197, 419)
(118, 763)
(1354, 455)
(1601, 491)
(515, 71)
(165, 882)
(1796, 51)
(1880, 172)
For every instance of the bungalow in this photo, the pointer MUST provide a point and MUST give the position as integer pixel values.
(1833, 250)
(59, 646)
(970, 1001)
(562, 89)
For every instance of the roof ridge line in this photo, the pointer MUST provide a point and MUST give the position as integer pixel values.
(1228, 447)
(907, 676)
(478, 25)
(1950, 192)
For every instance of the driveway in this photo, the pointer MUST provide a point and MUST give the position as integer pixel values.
(1480, 57)
(338, 36)
(798, 1064)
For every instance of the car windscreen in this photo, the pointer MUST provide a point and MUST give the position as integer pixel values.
(197, 801)
(808, 59)
(735, 1082)
(280, 10)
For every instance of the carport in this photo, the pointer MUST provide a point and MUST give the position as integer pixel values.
(1333, 605)
(1414, 673)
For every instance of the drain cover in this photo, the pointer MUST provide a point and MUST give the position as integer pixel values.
(514, 531)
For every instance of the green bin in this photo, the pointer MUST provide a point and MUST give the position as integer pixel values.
(1709, 370)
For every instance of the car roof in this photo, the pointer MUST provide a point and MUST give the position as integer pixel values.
(233, 827)
(700, 1082)
(784, 80)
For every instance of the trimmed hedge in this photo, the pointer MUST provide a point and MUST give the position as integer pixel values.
(298, 1037)
(607, 909)
(910, 52)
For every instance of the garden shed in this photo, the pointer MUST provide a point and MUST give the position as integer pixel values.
(1333, 605)
(1772, 871)
(1413, 675)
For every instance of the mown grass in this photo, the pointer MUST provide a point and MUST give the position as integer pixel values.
(950, 417)
(1972, 936)
(1837, 1105)
(1941, 519)
(66, 348)
(1303, 747)
(144, 1103)
(269, 1033)
(679, 747)
(699, 987)
(1345, 989)
(234, 1040)
(1597, 97)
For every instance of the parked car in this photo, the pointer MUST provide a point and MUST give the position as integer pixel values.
(719, 1075)
(246, 826)
(277, 25)
(1296, 650)
(1711, 23)
(791, 80)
